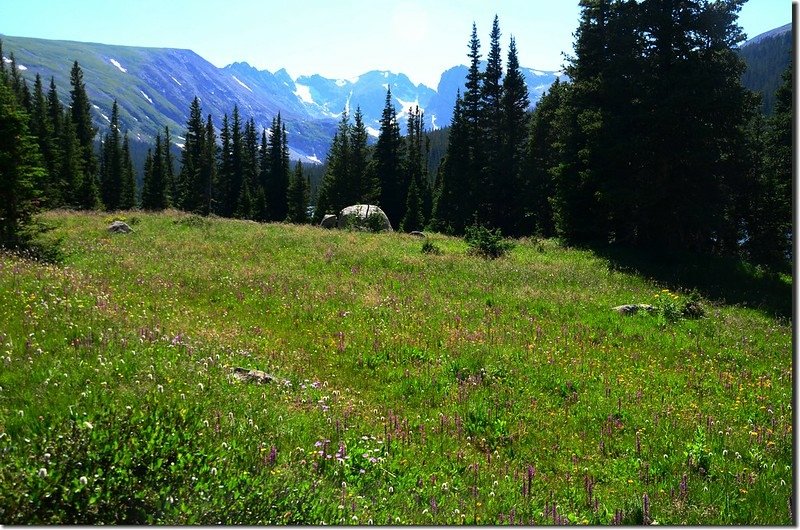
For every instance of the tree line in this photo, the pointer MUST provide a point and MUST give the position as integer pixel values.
(650, 140)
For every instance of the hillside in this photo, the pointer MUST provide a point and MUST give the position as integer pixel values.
(403, 387)
(767, 57)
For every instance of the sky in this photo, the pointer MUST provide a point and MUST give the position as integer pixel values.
(338, 39)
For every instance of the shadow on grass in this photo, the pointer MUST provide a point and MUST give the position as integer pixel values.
(721, 279)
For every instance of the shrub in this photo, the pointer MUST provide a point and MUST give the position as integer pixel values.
(431, 248)
(485, 242)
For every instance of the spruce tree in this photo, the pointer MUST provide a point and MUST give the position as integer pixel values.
(127, 198)
(154, 188)
(769, 228)
(386, 165)
(490, 180)
(359, 153)
(452, 207)
(77, 190)
(111, 163)
(21, 166)
(413, 218)
(42, 128)
(514, 117)
(208, 170)
(173, 194)
(278, 174)
(297, 198)
(537, 187)
(81, 115)
(190, 190)
(223, 186)
(333, 191)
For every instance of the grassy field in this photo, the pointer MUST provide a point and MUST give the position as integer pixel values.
(410, 388)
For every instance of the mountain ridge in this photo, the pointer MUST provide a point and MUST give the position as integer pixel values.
(154, 87)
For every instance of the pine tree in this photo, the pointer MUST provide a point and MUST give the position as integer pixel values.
(416, 167)
(237, 159)
(154, 188)
(78, 190)
(111, 163)
(452, 204)
(514, 118)
(42, 129)
(413, 218)
(537, 187)
(251, 170)
(127, 197)
(490, 180)
(769, 228)
(386, 165)
(278, 175)
(297, 198)
(333, 191)
(81, 114)
(21, 166)
(190, 189)
(359, 162)
(173, 194)
(223, 186)
(208, 170)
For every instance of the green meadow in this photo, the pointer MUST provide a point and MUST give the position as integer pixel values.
(408, 387)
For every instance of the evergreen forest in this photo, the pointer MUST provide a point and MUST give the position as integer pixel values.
(649, 141)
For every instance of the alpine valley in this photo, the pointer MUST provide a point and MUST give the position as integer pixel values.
(155, 86)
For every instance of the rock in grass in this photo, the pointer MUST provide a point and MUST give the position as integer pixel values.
(630, 309)
(329, 221)
(364, 217)
(253, 376)
(119, 227)
(417, 233)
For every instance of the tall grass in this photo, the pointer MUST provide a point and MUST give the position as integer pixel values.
(411, 387)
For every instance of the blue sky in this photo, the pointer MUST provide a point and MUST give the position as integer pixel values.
(335, 38)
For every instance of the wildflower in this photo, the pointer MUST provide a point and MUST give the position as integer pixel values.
(160, 388)
(83, 480)
(42, 473)
(213, 471)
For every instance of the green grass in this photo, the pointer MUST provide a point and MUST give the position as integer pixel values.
(416, 388)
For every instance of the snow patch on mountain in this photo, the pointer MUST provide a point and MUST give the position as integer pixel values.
(313, 158)
(237, 80)
(178, 82)
(119, 66)
(341, 82)
(372, 131)
(405, 106)
(304, 93)
(147, 97)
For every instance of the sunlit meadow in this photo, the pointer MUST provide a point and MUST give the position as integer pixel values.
(409, 387)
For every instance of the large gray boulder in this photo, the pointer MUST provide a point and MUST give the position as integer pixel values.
(119, 227)
(364, 217)
(329, 221)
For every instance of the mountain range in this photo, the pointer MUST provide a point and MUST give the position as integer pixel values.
(155, 86)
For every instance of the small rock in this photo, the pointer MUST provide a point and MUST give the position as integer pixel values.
(630, 309)
(417, 233)
(119, 227)
(253, 376)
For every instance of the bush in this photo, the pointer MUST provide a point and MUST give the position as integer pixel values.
(487, 243)
(430, 248)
